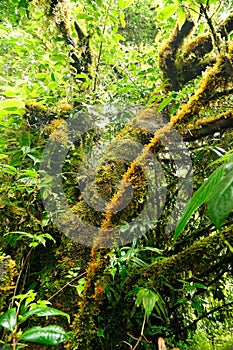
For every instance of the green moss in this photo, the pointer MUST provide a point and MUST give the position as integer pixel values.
(8, 275)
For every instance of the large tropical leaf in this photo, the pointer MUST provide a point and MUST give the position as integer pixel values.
(199, 197)
(220, 203)
(9, 319)
(44, 311)
(50, 335)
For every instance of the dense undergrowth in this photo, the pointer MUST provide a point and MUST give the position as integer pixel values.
(128, 95)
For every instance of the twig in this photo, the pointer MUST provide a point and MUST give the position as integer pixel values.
(206, 314)
(75, 278)
(100, 51)
(19, 275)
(210, 24)
(140, 338)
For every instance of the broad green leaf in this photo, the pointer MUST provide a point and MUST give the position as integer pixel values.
(181, 16)
(84, 16)
(100, 332)
(52, 85)
(8, 169)
(9, 319)
(28, 172)
(164, 103)
(53, 77)
(220, 203)
(148, 299)
(29, 296)
(197, 304)
(154, 98)
(11, 92)
(181, 301)
(117, 37)
(2, 156)
(228, 157)
(140, 296)
(81, 76)
(45, 311)
(199, 197)
(167, 12)
(11, 103)
(149, 302)
(41, 75)
(199, 285)
(3, 115)
(123, 4)
(50, 335)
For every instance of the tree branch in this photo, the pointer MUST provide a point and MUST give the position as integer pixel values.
(209, 128)
(196, 258)
(211, 312)
(191, 62)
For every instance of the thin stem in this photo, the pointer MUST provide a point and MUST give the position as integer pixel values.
(141, 336)
(67, 284)
(20, 274)
(100, 50)
(210, 24)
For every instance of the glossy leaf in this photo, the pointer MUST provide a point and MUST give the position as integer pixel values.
(50, 335)
(8, 169)
(199, 197)
(181, 16)
(167, 12)
(148, 299)
(9, 319)
(11, 103)
(47, 311)
(123, 4)
(220, 203)
(181, 301)
(164, 103)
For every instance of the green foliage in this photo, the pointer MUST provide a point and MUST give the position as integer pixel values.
(35, 239)
(12, 319)
(217, 190)
(150, 300)
(167, 12)
(220, 203)
(9, 319)
(38, 86)
(50, 335)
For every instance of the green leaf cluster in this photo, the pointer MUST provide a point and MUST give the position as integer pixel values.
(12, 319)
(217, 191)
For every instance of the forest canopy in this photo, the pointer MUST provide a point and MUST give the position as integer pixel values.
(116, 172)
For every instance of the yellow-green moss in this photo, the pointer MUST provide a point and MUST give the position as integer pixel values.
(7, 280)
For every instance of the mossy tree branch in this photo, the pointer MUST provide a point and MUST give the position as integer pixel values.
(204, 128)
(80, 54)
(189, 62)
(217, 79)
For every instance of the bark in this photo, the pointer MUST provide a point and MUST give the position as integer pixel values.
(80, 53)
(198, 257)
(180, 66)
